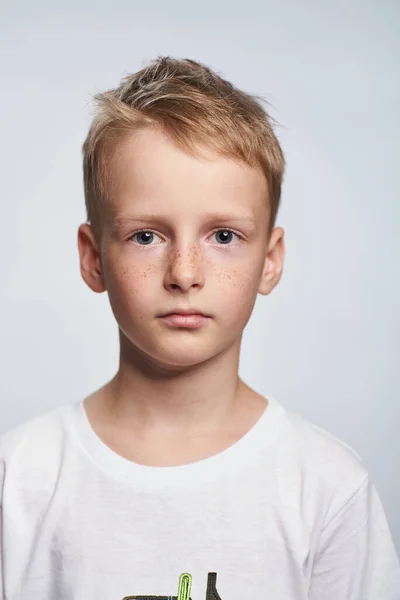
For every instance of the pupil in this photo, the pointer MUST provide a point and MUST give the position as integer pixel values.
(145, 233)
(225, 233)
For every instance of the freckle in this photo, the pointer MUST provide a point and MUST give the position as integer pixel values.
(225, 275)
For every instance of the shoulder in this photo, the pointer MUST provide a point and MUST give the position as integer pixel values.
(323, 465)
(37, 429)
(321, 445)
(35, 445)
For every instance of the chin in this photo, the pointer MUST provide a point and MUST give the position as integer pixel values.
(182, 357)
(171, 353)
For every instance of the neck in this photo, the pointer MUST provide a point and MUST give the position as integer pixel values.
(153, 396)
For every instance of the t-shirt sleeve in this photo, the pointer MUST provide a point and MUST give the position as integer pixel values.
(2, 596)
(8, 443)
(356, 558)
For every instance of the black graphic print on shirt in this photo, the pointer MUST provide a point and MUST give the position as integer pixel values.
(185, 583)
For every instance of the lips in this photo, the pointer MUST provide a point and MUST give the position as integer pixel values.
(186, 321)
(185, 312)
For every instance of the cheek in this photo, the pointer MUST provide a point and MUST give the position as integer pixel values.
(236, 291)
(123, 273)
(130, 287)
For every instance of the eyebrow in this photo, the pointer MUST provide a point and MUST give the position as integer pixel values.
(123, 220)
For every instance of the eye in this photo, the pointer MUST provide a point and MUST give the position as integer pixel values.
(226, 236)
(145, 235)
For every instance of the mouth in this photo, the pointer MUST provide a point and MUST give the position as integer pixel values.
(186, 320)
(185, 313)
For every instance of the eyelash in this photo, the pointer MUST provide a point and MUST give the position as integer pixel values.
(151, 231)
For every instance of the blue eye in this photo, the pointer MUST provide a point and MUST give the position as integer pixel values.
(145, 235)
(227, 235)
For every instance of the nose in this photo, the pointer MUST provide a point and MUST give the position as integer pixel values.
(185, 269)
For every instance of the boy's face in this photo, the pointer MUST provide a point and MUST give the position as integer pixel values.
(184, 256)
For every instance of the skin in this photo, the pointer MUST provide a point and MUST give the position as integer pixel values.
(177, 396)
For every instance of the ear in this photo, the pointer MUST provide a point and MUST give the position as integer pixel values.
(90, 263)
(273, 264)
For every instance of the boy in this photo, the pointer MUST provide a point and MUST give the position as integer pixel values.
(175, 479)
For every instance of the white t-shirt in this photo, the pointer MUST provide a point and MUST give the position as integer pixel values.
(288, 512)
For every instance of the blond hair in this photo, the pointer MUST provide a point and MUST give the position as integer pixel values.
(193, 105)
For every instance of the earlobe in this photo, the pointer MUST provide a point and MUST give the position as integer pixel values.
(267, 282)
(90, 264)
(273, 264)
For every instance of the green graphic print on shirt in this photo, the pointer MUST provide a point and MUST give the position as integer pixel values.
(185, 583)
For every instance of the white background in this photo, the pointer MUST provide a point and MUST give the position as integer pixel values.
(326, 341)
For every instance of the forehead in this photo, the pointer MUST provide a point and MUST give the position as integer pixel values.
(147, 169)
